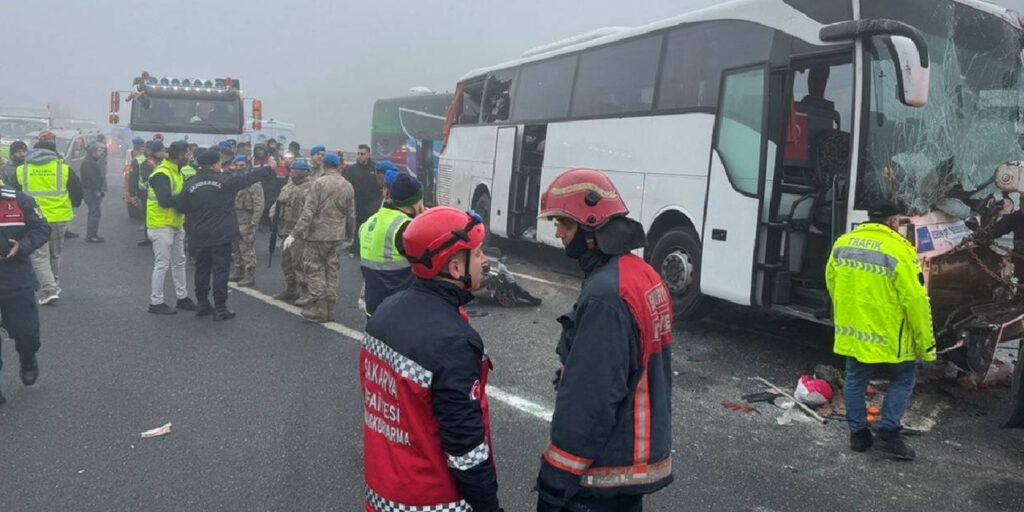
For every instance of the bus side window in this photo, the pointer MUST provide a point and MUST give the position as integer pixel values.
(472, 97)
(498, 96)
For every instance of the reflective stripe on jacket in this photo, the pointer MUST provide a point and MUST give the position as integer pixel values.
(47, 184)
(881, 309)
(156, 215)
(382, 262)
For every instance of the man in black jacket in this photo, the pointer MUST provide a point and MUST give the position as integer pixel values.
(23, 230)
(362, 176)
(94, 187)
(208, 202)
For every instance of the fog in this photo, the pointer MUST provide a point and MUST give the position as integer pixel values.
(316, 63)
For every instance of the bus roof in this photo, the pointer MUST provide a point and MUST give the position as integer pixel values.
(783, 15)
(776, 14)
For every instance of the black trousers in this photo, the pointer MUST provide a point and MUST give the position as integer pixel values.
(618, 504)
(212, 264)
(21, 319)
(93, 199)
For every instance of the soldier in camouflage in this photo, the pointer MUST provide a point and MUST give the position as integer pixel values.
(316, 161)
(291, 200)
(328, 220)
(249, 206)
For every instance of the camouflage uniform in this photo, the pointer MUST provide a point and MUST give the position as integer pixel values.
(315, 172)
(249, 205)
(328, 219)
(290, 201)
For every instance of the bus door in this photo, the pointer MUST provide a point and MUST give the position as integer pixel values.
(504, 166)
(736, 186)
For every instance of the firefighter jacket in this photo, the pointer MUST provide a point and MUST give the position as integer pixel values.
(881, 308)
(426, 439)
(20, 220)
(611, 433)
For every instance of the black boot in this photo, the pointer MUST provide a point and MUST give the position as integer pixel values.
(893, 446)
(861, 440)
(2, 398)
(221, 312)
(204, 309)
(29, 369)
(185, 304)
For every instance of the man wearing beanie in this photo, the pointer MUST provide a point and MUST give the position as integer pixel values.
(327, 220)
(8, 171)
(382, 253)
(208, 200)
(249, 207)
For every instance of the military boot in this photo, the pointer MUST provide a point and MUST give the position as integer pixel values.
(304, 300)
(248, 279)
(221, 312)
(29, 369)
(315, 311)
(330, 310)
(234, 275)
(289, 294)
(2, 398)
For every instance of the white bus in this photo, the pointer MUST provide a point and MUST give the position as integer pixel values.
(747, 136)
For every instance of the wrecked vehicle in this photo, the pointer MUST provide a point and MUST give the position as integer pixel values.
(747, 136)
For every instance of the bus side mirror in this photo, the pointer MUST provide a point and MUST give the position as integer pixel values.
(907, 45)
(913, 77)
(257, 115)
(115, 106)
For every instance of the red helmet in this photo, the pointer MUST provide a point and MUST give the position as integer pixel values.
(583, 195)
(437, 234)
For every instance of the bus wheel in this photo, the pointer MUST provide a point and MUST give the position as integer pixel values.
(676, 256)
(482, 205)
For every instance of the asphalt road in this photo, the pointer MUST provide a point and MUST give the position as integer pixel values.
(266, 410)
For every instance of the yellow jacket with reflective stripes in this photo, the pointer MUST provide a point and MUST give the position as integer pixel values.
(48, 184)
(880, 304)
(156, 215)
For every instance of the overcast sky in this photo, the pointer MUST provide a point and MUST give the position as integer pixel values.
(317, 63)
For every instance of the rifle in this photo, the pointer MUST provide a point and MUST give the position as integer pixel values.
(274, 223)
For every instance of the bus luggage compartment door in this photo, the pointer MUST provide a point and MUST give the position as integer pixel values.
(504, 163)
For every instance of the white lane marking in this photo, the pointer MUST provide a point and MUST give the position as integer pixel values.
(544, 281)
(515, 401)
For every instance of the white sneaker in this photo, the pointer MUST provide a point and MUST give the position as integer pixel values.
(49, 298)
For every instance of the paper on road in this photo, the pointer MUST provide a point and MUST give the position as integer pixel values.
(157, 432)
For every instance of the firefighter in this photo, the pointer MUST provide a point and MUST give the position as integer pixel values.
(883, 319)
(611, 433)
(426, 438)
(382, 256)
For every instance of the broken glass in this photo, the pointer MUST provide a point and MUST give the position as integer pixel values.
(944, 154)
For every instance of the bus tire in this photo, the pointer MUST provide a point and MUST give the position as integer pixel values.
(482, 205)
(676, 257)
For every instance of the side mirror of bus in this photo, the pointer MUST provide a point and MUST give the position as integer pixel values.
(907, 45)
(913, 77)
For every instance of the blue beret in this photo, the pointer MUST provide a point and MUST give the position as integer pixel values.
(317, 149)
(386, 165)
(300, 165)
(332, 160)
(224, 144)
(240, 158)
(390, 176)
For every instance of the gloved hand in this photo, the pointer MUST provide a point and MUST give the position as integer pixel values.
(288, 242)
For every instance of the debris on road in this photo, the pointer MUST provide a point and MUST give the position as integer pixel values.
(805, 408)
(761, 396)
(813, 392)
(733, 406)
(157, 432)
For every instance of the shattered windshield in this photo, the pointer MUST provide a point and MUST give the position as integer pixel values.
(941, 155)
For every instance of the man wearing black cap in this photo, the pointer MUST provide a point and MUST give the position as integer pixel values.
(18, 151)
(883, 320)
(208, 202)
